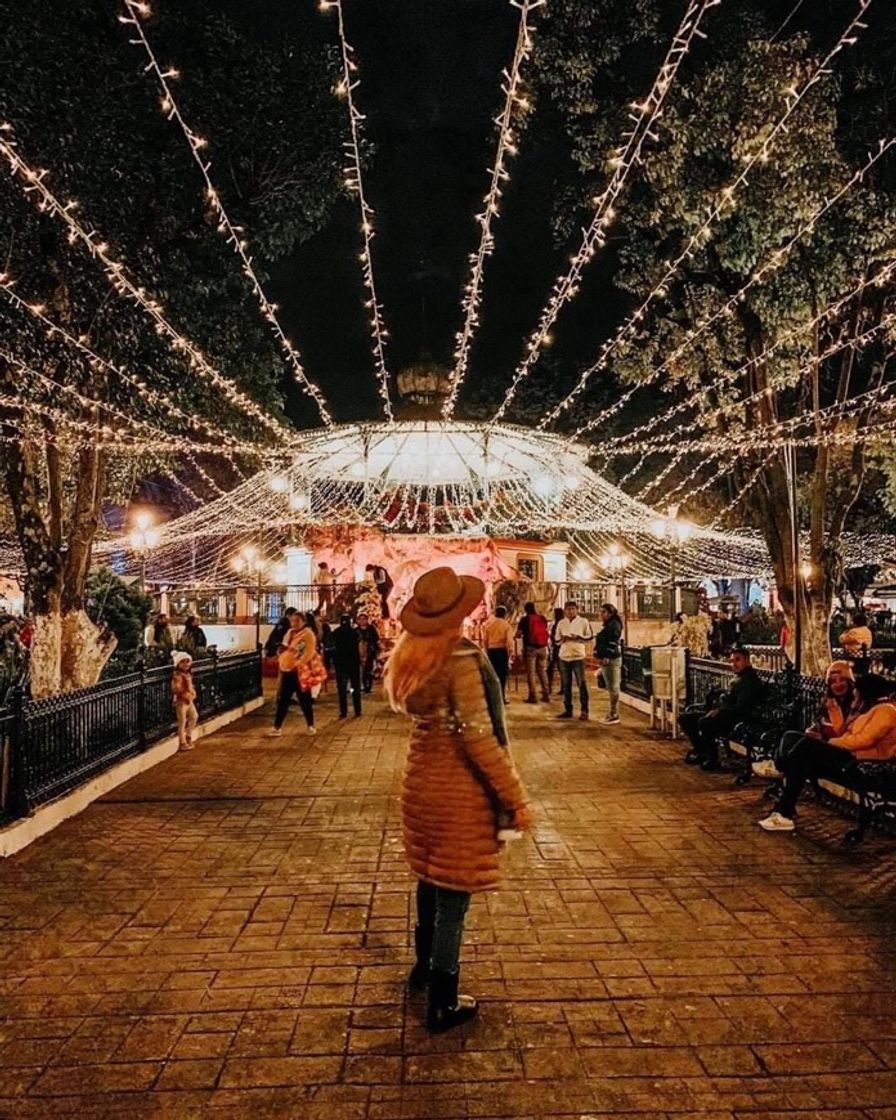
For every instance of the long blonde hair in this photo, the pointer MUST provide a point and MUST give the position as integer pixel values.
(413, 661)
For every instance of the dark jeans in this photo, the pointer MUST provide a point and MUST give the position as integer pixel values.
(570, 670)
(348, 675)
(705, 731)
(810, 758)
(500, 660)
(368, 671)
(289, 687)
(553, 664)
(441, 912)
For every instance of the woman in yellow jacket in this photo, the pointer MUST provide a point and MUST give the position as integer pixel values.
(460, 784)
(870, 736)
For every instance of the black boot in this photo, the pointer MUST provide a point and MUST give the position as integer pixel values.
(446, 1008)
(419, 977)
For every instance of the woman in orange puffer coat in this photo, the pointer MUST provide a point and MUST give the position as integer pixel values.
(460, 784)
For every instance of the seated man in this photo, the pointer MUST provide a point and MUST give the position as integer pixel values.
(740, 704)
(870, 736)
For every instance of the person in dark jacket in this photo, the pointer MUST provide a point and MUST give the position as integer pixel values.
(740, 704)
(369, 641)
(608, 651)
(279, 632)
(346, 657)
(554, 652)
(193, 640)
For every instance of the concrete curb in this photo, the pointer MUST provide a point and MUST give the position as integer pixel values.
(18, 835)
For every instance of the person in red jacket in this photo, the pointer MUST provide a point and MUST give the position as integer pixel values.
(871, 736)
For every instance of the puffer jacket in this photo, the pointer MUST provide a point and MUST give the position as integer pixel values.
(458, 778)
(872, 735)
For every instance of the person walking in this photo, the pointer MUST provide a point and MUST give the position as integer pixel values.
(608, 651)
(554, 654)
(369, 648)
(533, 630)
(346, 657)
(460, 782)
(575, 633)
(183, 694)
(297, 656)
(278, 633)
(497, 639)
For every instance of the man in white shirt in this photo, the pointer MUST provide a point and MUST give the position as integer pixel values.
(574, 634)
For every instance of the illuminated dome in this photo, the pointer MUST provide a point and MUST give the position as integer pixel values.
(434, 477)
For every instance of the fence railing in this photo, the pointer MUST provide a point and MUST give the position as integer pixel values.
(50, 747)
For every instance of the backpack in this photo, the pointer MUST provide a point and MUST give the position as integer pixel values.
(537, 631)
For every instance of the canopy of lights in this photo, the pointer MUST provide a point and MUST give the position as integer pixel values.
(447, 477)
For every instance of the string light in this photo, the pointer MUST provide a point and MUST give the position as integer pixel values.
(514, 103)
(725, 375)
(775, 261)
(628, 331)
(354, 180)
(233, 234)
(856, 343)
(33, 183)
(748, 485)
(229, 443)
(625, 158)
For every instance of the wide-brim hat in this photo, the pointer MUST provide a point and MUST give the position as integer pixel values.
(442, 600)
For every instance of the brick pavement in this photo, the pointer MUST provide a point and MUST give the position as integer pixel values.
(227, 936)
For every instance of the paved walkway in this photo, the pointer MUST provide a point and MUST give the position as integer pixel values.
(227, 936)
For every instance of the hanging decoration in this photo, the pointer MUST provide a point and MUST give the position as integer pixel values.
(626, 157)
(628, 331)
(33, 182)
(233, 234)
(515, 103)
(354, 180)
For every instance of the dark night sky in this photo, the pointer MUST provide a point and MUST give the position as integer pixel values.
(429, 74)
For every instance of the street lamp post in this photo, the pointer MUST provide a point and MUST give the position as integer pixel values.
(675, 532)
(615, 560)
(143, 538)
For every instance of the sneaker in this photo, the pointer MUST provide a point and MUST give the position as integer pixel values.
(765, 768)
(312, 730)
(584, 717)
(530, 700)
(693, 759)
(186, 747)
(777, 823)
(275, 732)
(565, 715)
(545, 699)
(611, 719)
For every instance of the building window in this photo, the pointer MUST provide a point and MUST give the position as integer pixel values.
(529, 567)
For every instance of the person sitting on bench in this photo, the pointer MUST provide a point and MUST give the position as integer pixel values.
(870, 737)
(740, 704)
(838, 709)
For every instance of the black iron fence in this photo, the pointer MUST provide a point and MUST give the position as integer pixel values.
(50, 747)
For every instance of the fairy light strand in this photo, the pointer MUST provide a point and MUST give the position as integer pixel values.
(33, 184)
(775, 261)
(628, 330)
(234, 235)
(725, 375)
(625, 158)
(514, 103)
(354, 180)
(37, 311)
